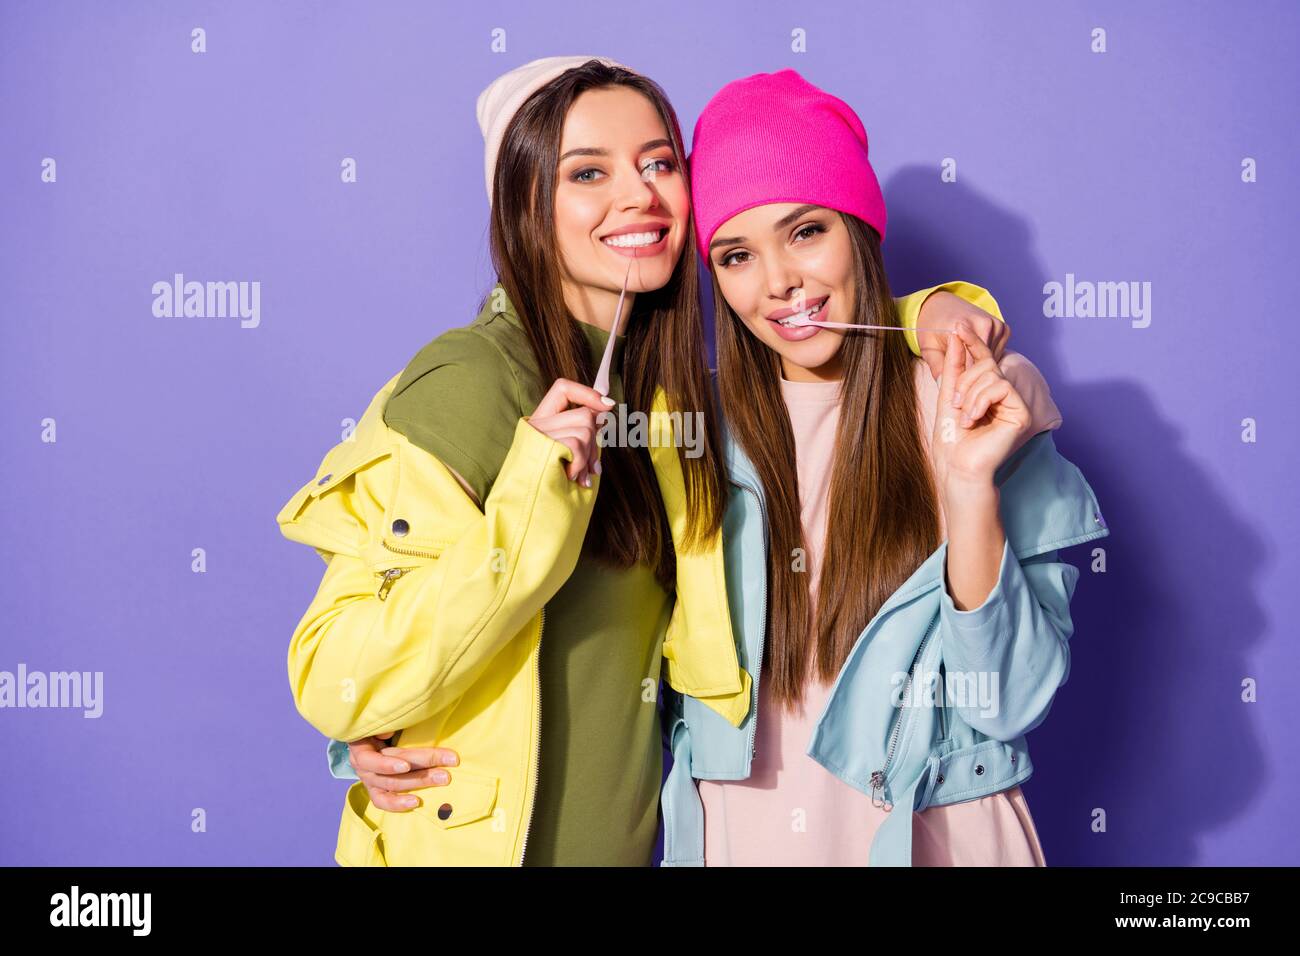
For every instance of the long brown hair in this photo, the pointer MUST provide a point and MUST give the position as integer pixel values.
(664, 333)
(882, 518)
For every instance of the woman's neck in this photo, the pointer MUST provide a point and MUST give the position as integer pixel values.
(831, 371)
(596, 306)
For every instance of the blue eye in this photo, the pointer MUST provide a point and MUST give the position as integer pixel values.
(668, 165)
(578, 176)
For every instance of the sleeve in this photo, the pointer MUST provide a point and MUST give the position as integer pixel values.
(909, 306)
(1020, 634)
(458, 399)
(361, 664)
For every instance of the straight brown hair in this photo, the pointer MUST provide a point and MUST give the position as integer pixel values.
(664, 333)
(883, 514)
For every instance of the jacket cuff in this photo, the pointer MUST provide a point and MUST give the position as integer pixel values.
(542, 462)
(337, 755)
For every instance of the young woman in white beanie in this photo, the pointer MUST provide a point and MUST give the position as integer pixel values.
(516, 749)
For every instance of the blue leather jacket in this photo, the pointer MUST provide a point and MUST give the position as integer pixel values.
(907, 757)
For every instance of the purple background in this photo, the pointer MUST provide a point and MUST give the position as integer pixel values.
(183, 433)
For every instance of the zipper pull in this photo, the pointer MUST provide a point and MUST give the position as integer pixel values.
(391, 575)
(878, 783)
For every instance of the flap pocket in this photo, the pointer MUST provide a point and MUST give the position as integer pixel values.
(468, 797)
(360, 843)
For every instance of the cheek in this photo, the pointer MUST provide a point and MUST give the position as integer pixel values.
(677, 197)
(735, 292)
(577, 216)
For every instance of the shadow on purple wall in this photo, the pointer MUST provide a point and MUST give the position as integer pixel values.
(1148, 726)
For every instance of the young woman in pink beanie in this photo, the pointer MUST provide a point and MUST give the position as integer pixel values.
(586, 175)
(886, 551)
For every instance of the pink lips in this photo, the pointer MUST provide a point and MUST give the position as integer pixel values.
(798, 333)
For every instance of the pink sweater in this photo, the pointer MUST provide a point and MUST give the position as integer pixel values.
(791, 811)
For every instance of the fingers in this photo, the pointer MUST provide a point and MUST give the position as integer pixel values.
(975, 369)
(424, 757)
(565, 392)
(974, 344)
(975, 399)
(997, 393)
(414, 780)
(420, 767)
(574, 427)
(953, 364)
(1001, 396)
(364, 755)
(395, 802)
(579, 441)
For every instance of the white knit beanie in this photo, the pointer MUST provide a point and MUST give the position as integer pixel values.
(498, 103)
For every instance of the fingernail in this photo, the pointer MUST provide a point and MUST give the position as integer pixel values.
(965, 420)
(956, 399)
(586, 480)
(596, 466)
(440, 776)
(607, 400)
(452, 760)
(408, 801)
(400, 766)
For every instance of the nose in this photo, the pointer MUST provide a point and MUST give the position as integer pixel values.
(783, 282)
(637, 190)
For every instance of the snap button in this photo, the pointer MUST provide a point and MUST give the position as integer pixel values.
(444, 811)
(979, 769)
(940, 778)
(326, 478)
(1013, 758)
(400, 527)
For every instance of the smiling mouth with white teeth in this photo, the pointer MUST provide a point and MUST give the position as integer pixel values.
(791, 321)
(633, 240)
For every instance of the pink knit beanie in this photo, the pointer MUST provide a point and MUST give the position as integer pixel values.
(774, 137)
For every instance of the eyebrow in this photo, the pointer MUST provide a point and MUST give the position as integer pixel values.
(777, 227)
(594, 151)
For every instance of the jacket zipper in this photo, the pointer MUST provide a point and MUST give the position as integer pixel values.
(757, 676)
(389, 576)
(943, 707)
(537, 739)
(879, 777)
(392, 574)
